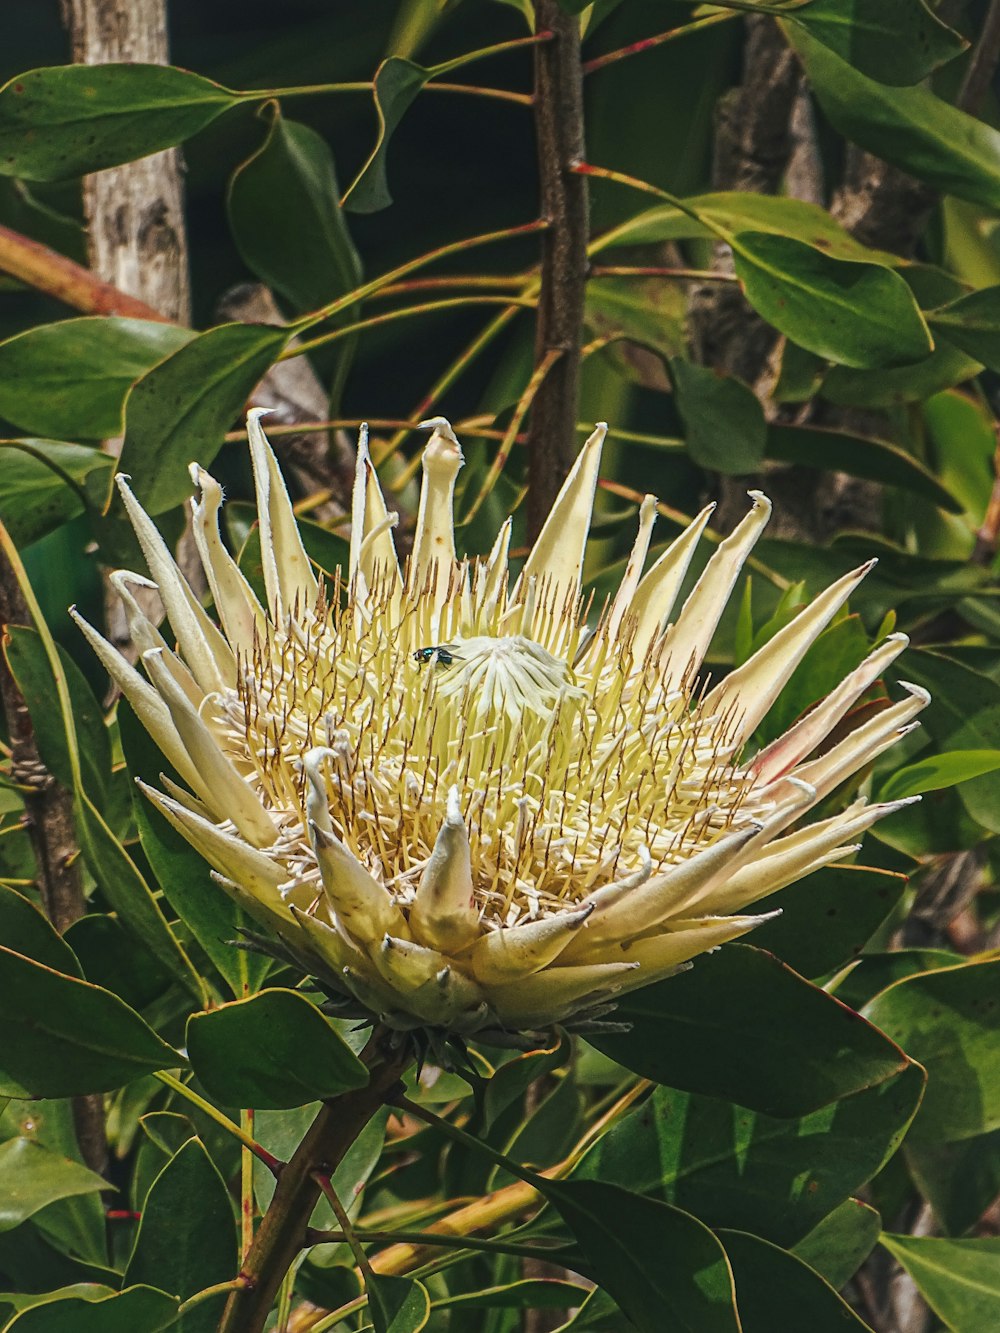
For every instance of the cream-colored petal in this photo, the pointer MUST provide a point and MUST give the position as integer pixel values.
(685, 939)
(503, 955)
(556, 559)
(491, 578)
(147, 638)
(633, 568)
(444, 913)
(227, 793)
(623, 914)
(788, 859)
(236, 603)
(259, 874)
(801, 739)
(686, 641)
(205, 650)
(753, 687)
(362, 905)
(149, 708)
(859, 746)
(434, 536)
(288, 576)
(538, 999)
(654, 598)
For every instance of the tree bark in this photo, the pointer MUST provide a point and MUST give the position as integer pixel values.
(135, 212)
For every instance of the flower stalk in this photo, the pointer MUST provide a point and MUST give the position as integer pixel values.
(284, 1229)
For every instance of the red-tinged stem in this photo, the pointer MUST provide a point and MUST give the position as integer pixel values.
(48, 271)
(427, 308)
(650, 43)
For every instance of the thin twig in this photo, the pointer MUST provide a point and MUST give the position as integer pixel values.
(982, 63)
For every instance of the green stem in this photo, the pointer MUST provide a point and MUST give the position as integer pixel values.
(432, 256)
(438, 1238)
(273, 1164)
(283, 1231)
(206, 1294)
(449, 303)
(650, 43)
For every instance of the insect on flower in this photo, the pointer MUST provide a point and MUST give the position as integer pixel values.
(566, 813)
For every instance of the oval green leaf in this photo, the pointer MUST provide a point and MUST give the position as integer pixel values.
(25, 929)
(135, 1310)
(45, 485)
(723, 418)
(71, 379)
(63, 1036)
(893, 41)
(397, 1304)
(183, 407)
(776, 1289)
(855, 314)
(743, 1026)
(272, 1051)
(938, 772)
(663, 1267)
(949, 1020)
(34, 1177)
(66, 120)
(959, 1279)
(909, 127)
(187, 1235)
(972, 323)
(397, 83)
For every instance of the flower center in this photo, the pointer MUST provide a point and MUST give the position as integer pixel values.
(511, 676)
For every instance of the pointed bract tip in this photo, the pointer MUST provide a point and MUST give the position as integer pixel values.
(256, 413)
(453, 813)
(916, 691)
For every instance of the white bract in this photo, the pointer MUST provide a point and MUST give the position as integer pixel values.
(472, 801)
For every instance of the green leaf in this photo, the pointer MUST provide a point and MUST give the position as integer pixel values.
(938, 772)
(874, 972)
(182, 874)
(855, 314)
(743, 1026)
(285, 215)
(837, 651)
(26, 930)
(736, 1168)
(949, 1020)
(109, 958)
(273, 1050)
(397, 83)
(135, 1310)
(34, 1177)
(959, 1279)
(71, 379)
(663, 1267)
(44, 485)
(63, 1036)
(828, 918)
(776, 1289)
(838, 1245)
(183, 407)
(894, 41)
(649, 311)
(70, 119)
(739, 211)
(397, 1304)
(860, 456)
(958, 1180)
(723, 419)
(30, 668)
(187, 1235)
(972, 323)
(909, 127)
(129, 895)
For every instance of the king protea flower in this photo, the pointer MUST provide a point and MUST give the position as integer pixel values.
(458, 795)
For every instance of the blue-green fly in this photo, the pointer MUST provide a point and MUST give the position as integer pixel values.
(424, 655)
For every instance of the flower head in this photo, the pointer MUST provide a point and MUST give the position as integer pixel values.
(470, 800)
